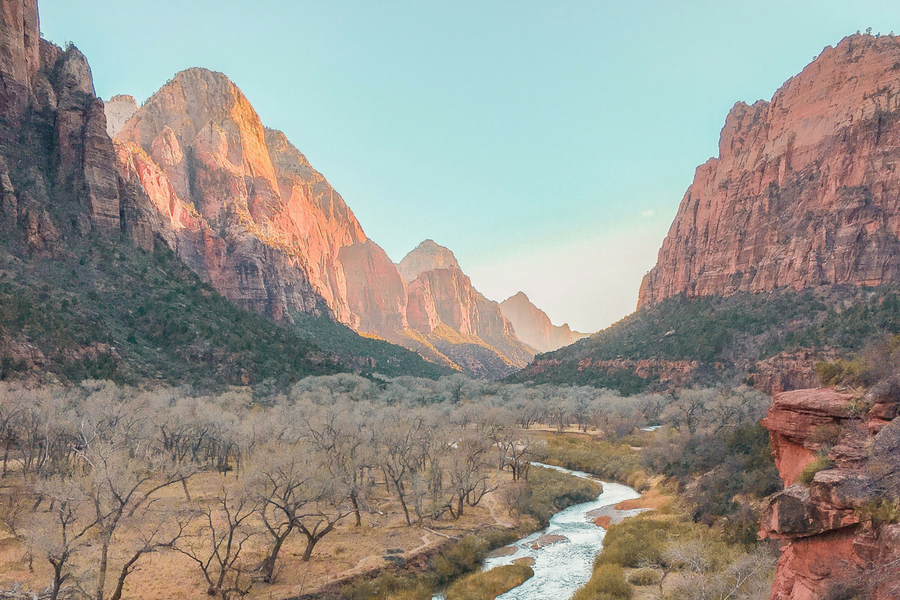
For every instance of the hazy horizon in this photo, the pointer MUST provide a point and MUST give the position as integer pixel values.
(547, 146)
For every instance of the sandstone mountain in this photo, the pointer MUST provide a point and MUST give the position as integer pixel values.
(533, 326)
(243, 208)
(88, 285)
(427, 256)
(805, 189)
(770, 263)
(454, 319)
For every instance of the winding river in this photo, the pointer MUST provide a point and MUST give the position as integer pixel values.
(563, 566)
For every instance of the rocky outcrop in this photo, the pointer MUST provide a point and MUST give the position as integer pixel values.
(533, 326)
(832, 536)
(119, 109)
(52, 134)
(804, 191)
(787, 371)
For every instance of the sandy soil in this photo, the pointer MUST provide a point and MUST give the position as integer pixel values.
(348, 551)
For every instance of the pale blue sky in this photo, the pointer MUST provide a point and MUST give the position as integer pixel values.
(547, 143)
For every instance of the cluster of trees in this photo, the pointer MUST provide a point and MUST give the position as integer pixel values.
(100, 475)
(97, 476)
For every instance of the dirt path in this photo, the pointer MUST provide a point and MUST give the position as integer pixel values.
(491, 503)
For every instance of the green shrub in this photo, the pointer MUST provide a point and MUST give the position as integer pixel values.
(634, 540)
(607, 583)
(618, 462)
(550, 491)
(881, 512)
(488, 585)
(466, 556)
(644, 577)
(820, 463)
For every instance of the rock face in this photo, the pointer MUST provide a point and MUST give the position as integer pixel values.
(830, 538)
(245, 210)
(805, 189)
(119, 109)
(427, 256)
(52, 136)
(20, 56)
(458, 322)
(533, 326)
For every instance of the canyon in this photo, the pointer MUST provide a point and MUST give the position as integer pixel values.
(243, 208)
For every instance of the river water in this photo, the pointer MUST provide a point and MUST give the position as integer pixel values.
(562, 567)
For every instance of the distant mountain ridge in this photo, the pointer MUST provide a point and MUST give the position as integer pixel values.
(533, 326)
(243, 208)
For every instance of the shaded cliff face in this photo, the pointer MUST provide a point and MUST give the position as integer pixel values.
(831, 539)
(57, 173)
(20, 56)
(533, 326)
(455, 319)
(805, 189)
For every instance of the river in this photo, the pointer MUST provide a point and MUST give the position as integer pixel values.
(562, 567)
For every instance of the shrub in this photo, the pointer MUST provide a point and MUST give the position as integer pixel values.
(638, 539)
(488, 585)
(607, 583)
(644, 577)
(610, 461)
(820, 463)
(881, 512)
(827, 435)
(466, 556)
(551, 491)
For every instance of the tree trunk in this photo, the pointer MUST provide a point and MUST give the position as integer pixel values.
(272, 558)
(101, 571)
(123, 574)
(459, 505)
(187, 494)
(355, 502)
(311, 542)
(57, 579)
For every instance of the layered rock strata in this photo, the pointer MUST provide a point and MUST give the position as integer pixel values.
(804, 191)
(454, 318)
(834, 539)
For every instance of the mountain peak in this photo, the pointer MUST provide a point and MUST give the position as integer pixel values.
(427, 256)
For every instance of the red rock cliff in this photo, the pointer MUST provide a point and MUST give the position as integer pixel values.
(244, 208)
(274, 229)
(830, 540)
(805, 190)
(53, 139)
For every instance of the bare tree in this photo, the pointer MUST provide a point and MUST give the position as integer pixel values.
(216, 547)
